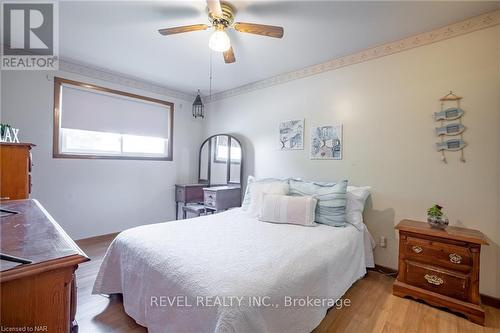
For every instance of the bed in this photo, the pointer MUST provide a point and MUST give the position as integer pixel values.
(230, 272)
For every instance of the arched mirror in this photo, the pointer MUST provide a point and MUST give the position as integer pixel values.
(220, 161)
(220, 170)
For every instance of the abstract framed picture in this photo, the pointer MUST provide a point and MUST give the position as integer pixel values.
(291, 134)
(326, 142)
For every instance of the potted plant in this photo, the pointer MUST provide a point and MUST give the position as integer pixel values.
(436, 218)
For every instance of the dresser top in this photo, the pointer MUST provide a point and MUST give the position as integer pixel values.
(190, 185)
(222, 188)
(451, 232)
(16, 144)
(33, 234)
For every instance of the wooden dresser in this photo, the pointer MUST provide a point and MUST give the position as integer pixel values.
(40, 296)
(440, 267)
(15, 169)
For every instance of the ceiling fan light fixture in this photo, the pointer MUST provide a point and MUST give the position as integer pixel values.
(219, 41)
(221, 16)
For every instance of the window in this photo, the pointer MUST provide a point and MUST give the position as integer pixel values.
(96, 122)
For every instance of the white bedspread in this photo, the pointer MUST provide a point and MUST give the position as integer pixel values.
(218, 258)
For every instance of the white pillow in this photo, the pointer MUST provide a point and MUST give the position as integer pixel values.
(250, 182)
(356, 199)
(258, 190)
(287, 209)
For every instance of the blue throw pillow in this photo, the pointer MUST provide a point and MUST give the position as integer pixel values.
(332, 200)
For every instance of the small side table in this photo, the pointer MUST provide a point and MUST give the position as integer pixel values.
(196, 210)
(440, 267)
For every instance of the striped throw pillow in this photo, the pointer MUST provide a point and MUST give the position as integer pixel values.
(332, 200)
(286, 209)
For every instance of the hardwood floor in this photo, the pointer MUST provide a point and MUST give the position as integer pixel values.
(373, 307)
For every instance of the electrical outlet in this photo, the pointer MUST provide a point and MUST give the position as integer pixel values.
(382, 241)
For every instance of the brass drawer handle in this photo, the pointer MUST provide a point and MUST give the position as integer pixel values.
(417, 249)
(434, 279)
(455, 258)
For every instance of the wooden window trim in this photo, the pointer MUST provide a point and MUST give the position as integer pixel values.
(58, 82)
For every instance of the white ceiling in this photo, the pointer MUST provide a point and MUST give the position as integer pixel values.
(122, 37)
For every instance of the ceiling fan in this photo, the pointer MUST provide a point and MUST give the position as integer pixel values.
(221, 15)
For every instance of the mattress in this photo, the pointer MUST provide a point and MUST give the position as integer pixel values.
(229, 272)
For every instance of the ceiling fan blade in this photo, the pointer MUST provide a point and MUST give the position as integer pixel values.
(186, 28)
(259, 29)
(229, 56)
(214, 8)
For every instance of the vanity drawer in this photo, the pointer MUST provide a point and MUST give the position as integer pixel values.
(448, 255)
(210, 198)
(189, 193)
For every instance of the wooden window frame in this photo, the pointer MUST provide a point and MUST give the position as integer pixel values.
(58, 83)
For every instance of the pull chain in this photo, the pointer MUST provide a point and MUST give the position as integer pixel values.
(210, 87)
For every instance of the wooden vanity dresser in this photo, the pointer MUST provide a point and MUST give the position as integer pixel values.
(440, 267)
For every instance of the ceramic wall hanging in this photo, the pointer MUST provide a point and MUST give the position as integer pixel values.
(450, 111)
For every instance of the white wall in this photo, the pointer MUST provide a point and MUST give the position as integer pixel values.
(95, 197)
(386, 107)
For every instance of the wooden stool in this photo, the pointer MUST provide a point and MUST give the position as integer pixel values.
(195, 209)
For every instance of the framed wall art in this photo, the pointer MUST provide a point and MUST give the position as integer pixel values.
(291, 134)
(326, 142)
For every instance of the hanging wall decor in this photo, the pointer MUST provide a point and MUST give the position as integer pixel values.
(326, 143)
(450, 129)
(291, 134)
(450, 118)
(9, 134)
(451, 145)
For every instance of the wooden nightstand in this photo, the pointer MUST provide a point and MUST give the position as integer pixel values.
(440, 267)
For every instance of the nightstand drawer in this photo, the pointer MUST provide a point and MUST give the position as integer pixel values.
(449, 283)
(438, 253)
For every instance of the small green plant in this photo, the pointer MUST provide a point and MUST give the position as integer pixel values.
(435, 211)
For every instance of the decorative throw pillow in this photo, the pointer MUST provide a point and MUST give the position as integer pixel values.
(286, 209)
(252, 180)
(257, 194)
(332, 200)
(356, 199)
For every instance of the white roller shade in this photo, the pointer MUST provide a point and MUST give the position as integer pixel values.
(92, 110)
